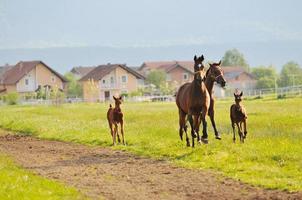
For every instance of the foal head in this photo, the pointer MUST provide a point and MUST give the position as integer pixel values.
(117, 101)
(238, 96)
(215, 74)
(198, 67)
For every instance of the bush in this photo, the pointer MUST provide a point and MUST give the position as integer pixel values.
(12, 98)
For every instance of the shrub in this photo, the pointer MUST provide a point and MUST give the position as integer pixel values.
(12, 98)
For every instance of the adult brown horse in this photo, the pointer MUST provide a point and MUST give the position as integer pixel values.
(214, 74)
(193, 99)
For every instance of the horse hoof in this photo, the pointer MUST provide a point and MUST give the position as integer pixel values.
(204, 140)
(218, 137)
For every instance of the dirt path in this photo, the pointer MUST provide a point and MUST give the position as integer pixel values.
(98, 171)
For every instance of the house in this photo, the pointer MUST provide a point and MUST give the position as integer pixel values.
(27, 76)
(81, 71)
(104, 81)
(177, 72)
(236, 78)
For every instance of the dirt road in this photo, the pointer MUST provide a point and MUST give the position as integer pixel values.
(98, 171)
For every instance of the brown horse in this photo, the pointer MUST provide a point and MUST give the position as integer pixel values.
(214, 74)
(238, 116)
(115, 117)
(193, 99)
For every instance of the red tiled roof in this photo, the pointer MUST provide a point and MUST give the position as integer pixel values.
(168, 65)
(15, 73)
(102, 70)
(82, 71)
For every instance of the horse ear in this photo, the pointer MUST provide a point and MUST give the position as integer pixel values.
(219, 62)
(234, 95)
(114, 98)
(241, 93)
(121, 97)
(202, 58)
(195, 58)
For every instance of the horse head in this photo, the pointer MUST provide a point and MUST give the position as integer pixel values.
(118, 101)
(198, 67)
(215, 74)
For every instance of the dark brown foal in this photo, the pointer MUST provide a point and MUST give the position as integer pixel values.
(115, 117)
(238, 116)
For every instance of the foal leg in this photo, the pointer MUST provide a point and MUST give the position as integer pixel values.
(239, 131)
(245, 130)
(122, 132)
(114, 133)
(118, 135)
(234, 134)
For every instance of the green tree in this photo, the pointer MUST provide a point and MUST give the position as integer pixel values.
(156, 77)
(291, 74)
(233, 57)
(265, 76)
(73, 87)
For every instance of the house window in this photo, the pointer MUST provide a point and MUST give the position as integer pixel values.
(111, 80)
(104, 81)
(53, 79)
(124, 79)
(26, 81)
(185, 76)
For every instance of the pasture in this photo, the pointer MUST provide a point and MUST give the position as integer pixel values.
(271, 156)
(16, 183)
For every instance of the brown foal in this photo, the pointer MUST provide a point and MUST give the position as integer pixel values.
(238, 116)
(115, 117)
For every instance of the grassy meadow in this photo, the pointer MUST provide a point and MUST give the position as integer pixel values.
(17, 183)
(271, 156)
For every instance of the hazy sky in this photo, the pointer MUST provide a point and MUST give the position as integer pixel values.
(53, 23)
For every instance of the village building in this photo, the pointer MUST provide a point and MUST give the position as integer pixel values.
(180, 72)
(28, 76)
(177, 72)
(104, 81)
(81, 71)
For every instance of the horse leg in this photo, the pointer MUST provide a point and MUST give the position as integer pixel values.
(182, 122)
(196, 125)
(190, 118)
(211, 114)
(187, 137)
(245, 129)
(234, 134)
(122, 132)
(204, 137)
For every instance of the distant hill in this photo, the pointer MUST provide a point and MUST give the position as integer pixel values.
(64, 58)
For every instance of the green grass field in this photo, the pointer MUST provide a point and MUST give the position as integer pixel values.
(16, 183)
(271, 156)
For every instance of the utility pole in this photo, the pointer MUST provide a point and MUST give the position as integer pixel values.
(293, 77)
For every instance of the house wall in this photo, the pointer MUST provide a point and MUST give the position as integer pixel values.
(242, 82)
(177, 75)
(31, 87)
(44, 77)
(10, 88)
(91, 92)
(116, 88)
